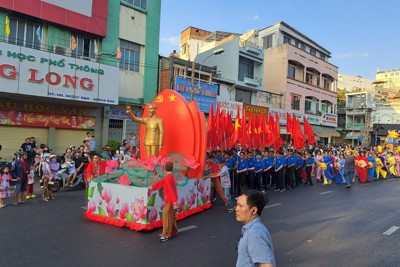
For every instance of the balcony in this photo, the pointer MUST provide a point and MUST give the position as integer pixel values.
(355, 126)
(252, 82)
(251, 48)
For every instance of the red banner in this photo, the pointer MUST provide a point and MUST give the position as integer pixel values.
(255, 110)
(33, 119)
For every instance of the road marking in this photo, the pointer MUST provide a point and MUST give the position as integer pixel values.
(391, 230)
(326, 192)
(187, 228)
(84, 207)
(272, 205)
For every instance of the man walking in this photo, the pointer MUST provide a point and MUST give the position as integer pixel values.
(255, 244)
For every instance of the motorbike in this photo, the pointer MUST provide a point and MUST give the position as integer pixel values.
(61, 177)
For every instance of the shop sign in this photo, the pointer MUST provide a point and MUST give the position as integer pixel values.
(230, 107)
(38, 73)
(312, 119)
(255, 110)
(44, 108)
(33, 119)
(281, 114)
(329, 119)
(205, 95)
(119, 112)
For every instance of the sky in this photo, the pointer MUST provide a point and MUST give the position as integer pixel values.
(363, 36)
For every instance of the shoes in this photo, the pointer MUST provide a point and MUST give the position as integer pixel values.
(20, 202)
(33, 196)
(348, 186)
(2, 206)
(283, 190)
(41, 187)
(15, 204)
(175, 234)
(28, 197)
(164, 238)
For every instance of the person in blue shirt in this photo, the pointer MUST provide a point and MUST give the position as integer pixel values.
(268, 165)
(250, 170)
(255, 246)
(279, 167)
(230, 162)
(258, 170)
(241, 171)
(291, 163)
(298, 168)
(310, 161)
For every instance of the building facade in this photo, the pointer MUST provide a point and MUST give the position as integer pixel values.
(298, 68)
(65, 68)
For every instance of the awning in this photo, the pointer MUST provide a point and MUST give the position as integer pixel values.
(325, 132)
(350, 135)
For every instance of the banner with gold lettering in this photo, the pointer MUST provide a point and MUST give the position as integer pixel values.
(255, 110)
(35, 119)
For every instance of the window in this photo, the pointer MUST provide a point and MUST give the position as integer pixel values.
(246, 68)
(307, 106)
(309, 78)
(324, 107)
(322, 56)
(83, 46)
(313, 52)
(138, 3)
(130, 56)
(286, 40)
(25, 33)
(243, 96)
(292, 72)
(296, 43)
(303, 47)
(295, 102)
(327, 84)
(267, 41)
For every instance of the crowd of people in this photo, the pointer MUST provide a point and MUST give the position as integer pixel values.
(37, 161)
(287, 169)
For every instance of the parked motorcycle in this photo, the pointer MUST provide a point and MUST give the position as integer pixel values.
(60, 179)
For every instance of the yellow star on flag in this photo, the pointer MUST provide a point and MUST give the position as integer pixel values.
(172, 98)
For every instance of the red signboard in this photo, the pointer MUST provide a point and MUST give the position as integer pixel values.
(255, 110)
(92, 19)
(33, 119)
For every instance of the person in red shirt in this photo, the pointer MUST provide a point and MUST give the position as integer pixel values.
(95, 168)
(170, 227)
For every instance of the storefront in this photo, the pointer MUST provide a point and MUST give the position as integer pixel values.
(54, 98)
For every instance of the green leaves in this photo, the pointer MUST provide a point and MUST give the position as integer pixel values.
(100, 188)
(90, 192)
(101, 211)
(151, 200)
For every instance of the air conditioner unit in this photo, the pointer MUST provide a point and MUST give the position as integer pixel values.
(61, 50)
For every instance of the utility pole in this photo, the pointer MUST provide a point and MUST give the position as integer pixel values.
(192, 82)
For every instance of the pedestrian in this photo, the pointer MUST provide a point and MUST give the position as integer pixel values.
(19, 171)
(309, 165)
(31, 182)
(168, 183)
(255, 244)
(349, 167)
(5, 179)
(132, 141)
(241, 171)
(279, 170)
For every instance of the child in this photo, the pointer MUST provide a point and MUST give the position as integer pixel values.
(31, 181)
(170, 202)
(46, 190)
(72, 170)
(5, 179)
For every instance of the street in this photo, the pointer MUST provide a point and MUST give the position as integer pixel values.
(312, 226)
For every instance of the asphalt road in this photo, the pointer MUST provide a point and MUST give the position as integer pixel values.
(312, 226)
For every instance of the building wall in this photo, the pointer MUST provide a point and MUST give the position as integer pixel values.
(150, 83)
(391, 78)
(132, 25)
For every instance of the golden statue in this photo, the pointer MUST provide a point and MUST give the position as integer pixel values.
(153, 139)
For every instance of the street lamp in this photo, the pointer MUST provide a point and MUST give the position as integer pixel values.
(215, 52)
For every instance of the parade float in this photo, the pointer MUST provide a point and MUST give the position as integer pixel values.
(121, 196)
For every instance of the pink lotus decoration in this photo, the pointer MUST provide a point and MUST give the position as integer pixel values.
(111, 164)
(191, 163)
(181, 204)
(153, 214)
(117, 200)
(124, 180)
(124, 211)
(111, 209)
(151, 162)
(163, 161)
(106, 195)
(139, 209)
(91, 206)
